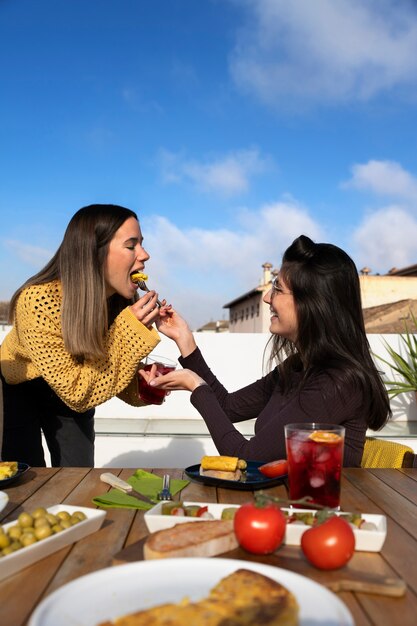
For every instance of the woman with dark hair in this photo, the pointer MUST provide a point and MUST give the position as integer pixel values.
(79, 333)
(325, 371)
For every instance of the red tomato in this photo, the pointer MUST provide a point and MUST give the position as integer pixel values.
(274, 468)
(259, 529)
(329, 545)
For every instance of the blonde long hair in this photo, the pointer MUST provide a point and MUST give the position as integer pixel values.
(79, 265)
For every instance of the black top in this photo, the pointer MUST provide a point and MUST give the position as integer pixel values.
(318, 401)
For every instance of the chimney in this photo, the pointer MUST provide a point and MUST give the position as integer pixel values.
(267, 273)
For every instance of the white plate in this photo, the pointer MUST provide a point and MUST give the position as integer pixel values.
(4, 498)
(365, 540)
(115, 591)
(30, 554)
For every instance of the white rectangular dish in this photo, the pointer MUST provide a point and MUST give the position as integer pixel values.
(24, 557)
(366, 540)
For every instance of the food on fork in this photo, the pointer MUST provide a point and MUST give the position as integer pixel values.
(224, 467)
(202, 538)
(242, 598)
(8, 469)
(137, 276)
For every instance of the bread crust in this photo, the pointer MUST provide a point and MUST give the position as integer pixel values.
(222, 475)
(205, 538)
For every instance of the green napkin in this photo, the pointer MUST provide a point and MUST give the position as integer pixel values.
(144, 482)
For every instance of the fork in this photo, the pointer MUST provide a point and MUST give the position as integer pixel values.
(165, 493)
(142, 285)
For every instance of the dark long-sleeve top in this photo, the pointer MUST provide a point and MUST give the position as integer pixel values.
(317, 401)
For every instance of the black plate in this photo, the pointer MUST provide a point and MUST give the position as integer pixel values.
(21, 469)
(254, 478)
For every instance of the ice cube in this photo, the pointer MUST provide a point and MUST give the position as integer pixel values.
(323, 456)
(317, 479)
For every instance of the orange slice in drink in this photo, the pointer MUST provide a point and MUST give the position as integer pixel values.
(323, 436)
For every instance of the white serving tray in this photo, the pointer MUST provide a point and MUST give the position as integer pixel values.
(4, 498)
(366, 540)
(16, 561)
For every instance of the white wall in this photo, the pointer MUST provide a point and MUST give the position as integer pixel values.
(237, 359)
(377, 290)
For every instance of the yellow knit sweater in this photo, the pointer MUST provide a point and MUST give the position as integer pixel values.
(35, 347)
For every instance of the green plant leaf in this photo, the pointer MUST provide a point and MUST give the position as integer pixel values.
(405, 367)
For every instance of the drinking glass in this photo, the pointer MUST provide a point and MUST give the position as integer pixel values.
(315, 460)
(153, 395)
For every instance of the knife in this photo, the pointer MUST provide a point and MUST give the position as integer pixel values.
(394, 587)
(122, 485)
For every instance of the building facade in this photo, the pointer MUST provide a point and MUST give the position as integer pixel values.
(249, 314)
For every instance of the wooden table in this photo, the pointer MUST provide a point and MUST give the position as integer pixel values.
(381, 491)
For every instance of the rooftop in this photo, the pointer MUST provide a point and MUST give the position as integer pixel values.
(389, 318)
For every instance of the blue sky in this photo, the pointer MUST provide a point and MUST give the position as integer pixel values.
(230, 126)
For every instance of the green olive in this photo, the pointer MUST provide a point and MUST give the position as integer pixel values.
(81, 516)
(229, 512)
(63, 515)
(39, 512)
(25, 520)
(15, 545)
(65, 523)
(42, 532)
(52, 519)
(27, 539)
(40, 521)
(15, 532)
(57, 528)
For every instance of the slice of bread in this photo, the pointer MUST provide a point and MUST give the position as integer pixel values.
(243, 598)
(223, 475)
(205, 538)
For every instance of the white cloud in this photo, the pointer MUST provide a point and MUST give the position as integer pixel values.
(228, 175)
(385, 239)
(199, 270)
(384, 178)
(325, 51)
(32, 256)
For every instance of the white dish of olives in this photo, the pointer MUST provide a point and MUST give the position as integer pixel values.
(38, 533)
(4, 498)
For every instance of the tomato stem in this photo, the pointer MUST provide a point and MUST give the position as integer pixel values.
(262, 498)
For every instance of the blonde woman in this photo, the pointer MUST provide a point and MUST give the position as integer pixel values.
(79, 333)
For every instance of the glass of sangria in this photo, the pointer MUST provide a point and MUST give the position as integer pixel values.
(153, 395)
(315, 461)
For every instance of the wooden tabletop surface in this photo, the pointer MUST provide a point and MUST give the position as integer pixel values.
(380, 491)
